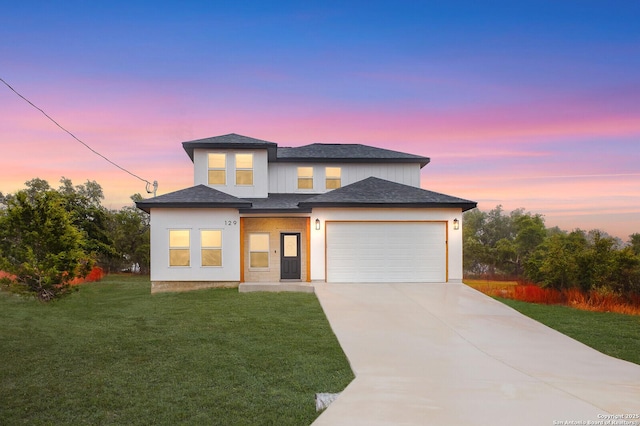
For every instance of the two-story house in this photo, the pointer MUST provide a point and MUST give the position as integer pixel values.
(320, 212)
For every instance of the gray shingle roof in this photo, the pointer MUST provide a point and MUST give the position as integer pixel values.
(347, 153)
(197, 196)
(376, 192)
(277, 203)
(371, 192)
(230, 141)
(317, 152)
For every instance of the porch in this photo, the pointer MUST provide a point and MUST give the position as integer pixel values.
(275, 250)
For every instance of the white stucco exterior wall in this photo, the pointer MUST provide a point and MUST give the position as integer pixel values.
(226, 220)
(318, 251)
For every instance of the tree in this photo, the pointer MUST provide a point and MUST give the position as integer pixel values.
(554, 263)
(83, 202)
(596, 261)
(519, 245)
(527, 232)
(39, 243)
(131, 236)
(499, 244)
(634, 243)
(476, 259)
(627, 267)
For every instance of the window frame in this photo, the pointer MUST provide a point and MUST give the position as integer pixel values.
(203, 247)
(306, 178)
(328, 179)
(216, 169)
(245, 169)
(267, 251)
(175, 248)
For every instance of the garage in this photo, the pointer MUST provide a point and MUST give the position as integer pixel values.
(386, 252)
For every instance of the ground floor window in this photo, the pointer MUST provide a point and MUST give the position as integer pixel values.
(179, 247)
(211, 247)
(259, 250)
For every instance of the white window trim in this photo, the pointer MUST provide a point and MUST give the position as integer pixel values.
(327, 178)
(178, 248)
(252, 169)
(298, 177)
(202, 247)
(268, 251)
(224, 169)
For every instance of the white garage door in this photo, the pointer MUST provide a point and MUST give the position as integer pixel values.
(386, 252)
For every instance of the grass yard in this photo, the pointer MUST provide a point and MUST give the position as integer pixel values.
(112, 353)
(614, 334)
(611, 333)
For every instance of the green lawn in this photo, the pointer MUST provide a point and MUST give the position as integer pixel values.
(112, 353)
(614, 334)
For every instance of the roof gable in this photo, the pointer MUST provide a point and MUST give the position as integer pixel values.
(376, 192)
(200, 196)
(230, 141)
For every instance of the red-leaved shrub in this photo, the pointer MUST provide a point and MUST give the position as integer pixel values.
(535, 294)
(591, 301)
(4, 274)
(96, 274)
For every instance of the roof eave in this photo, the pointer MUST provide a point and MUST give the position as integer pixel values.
(191, 146)
(186, 205)
(278, 211)
(463, 206)
(422, 161)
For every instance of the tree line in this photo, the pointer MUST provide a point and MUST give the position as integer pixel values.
(518, 245)
(49, 236)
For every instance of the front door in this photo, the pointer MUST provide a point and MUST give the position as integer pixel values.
(290, 256)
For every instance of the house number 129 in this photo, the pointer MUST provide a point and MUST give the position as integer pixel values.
(230, 222)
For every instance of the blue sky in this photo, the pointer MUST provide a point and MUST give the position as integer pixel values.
(524, 104)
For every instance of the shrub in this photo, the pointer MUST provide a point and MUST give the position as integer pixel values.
(601, 300)
(96, 274)
(535, 294)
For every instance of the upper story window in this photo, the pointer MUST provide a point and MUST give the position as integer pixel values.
(217, 169)
(305, 177)
(333, 177)
(211, 247)
(244, 169)
(179, 247)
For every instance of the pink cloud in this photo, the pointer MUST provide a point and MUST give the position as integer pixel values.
(495, 155)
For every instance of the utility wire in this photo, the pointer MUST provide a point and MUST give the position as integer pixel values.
(75, 137)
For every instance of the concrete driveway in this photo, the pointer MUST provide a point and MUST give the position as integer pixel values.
(445, 354)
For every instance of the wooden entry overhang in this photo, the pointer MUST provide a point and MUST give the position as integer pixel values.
(307, 244)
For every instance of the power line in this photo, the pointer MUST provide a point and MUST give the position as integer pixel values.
(155, 183)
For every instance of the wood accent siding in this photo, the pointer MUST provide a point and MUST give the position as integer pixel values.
(274, 227)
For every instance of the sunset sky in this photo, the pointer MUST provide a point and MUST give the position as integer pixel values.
(532, 104)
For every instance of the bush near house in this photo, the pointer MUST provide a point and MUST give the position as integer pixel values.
(51, 238)
(586, 269)
(592, 300)
(96, 274)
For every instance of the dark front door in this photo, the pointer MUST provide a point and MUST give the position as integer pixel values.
(290, 256)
